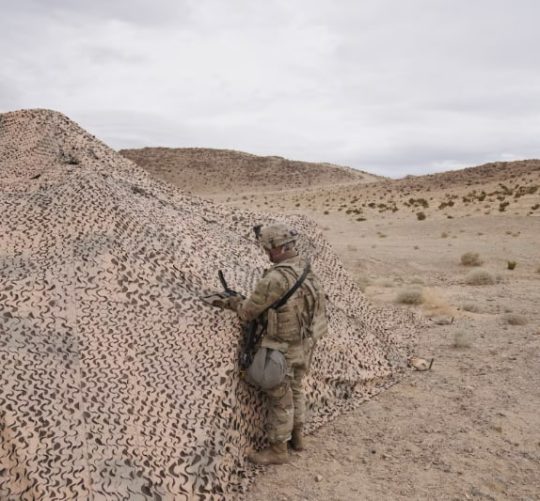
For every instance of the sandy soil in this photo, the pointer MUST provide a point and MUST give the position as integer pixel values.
(470, 427)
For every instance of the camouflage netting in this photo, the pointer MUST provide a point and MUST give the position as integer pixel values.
(116, 381)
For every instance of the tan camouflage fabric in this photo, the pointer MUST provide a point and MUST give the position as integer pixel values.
(116, 380)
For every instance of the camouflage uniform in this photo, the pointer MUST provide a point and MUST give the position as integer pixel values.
(291, 329)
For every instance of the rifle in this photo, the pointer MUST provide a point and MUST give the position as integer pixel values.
(228, 290)
(254, 330)
(251, 332)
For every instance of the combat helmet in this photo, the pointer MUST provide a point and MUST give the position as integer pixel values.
(275, 235)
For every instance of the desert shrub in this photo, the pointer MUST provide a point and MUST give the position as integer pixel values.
(503, 206)
(470, 307)
(362, 281)
(514, 319)
(479, 277)
(361, 219)
(411, 295)
(444, 234)
(471, 259)
(326, 213)
(446, 204)
(511, 265)
(538, 270)
(420, 216)
(462, 339)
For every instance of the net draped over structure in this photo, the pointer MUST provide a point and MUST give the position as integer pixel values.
(116, 381)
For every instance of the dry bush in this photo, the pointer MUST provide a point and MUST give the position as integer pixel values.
(420, 216)
(471, 259)
(444, 234)
(470, 307)
(384, 282)
(462, 339)
(362, 281)
(480, 277)
(437, 305)
(514, 319)
(511, 265)
(411, 295)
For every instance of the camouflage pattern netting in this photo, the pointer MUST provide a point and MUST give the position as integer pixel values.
(116, 381)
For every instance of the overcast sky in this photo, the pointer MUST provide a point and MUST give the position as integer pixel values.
(394, 87)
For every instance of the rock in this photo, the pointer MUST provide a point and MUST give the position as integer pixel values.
(442, 320)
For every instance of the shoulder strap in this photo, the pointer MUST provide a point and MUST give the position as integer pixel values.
(283, 299)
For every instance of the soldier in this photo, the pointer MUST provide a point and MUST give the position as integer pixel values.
(291, 329)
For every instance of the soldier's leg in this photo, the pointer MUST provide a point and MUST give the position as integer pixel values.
(279, 425)
(280, 412)
(299, 401)
(299, 398)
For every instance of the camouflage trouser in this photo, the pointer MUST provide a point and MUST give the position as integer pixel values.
(287, 407)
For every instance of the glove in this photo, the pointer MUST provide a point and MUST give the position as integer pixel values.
(222, 300)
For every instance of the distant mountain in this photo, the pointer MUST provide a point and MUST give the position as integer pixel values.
(522, 171)
(207, 171)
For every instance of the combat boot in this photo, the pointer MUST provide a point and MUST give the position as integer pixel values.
(297, 438)
(275, 454)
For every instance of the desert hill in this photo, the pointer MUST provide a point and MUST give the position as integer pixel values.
(495, 188)
(276, 184)
(211, 171)
(116, 380)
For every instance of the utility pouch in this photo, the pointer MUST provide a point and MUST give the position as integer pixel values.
(268, 369)
(271, 323)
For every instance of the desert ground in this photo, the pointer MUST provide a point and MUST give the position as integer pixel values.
(462, 249)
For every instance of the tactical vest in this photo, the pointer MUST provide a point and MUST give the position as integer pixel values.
(295, 327)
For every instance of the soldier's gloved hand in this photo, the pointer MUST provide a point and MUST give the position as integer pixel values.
(233, 302)
(222, 300)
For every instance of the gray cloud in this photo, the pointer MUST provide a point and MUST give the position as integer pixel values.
(388, 86)
(140, 12)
